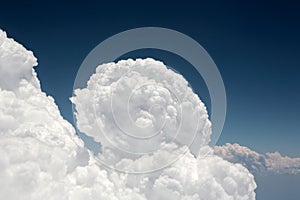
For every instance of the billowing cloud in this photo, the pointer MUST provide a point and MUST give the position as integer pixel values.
(197, 178)
(135, 107)
(145, 115)
(41, 157)
(256, 162)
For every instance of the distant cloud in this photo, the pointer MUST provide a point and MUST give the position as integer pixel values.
(256, 162)
(277, 163)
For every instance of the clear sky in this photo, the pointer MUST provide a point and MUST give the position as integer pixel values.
(255, 44)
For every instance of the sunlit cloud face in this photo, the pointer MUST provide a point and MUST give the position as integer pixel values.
(41, 157)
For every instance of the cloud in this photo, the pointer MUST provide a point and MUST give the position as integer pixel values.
(277, 163)
(197, 178)
(41, 157)
(256, 162)
(139, 106)
(16, 63)
(127, 101)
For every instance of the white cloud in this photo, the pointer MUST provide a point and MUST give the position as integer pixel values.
(16, 63)
(41, 157)
(140, 98)
(135, 107)
(120, 99)
(189, 178)
(256, 162)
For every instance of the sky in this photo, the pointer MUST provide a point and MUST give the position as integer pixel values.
(254, 44)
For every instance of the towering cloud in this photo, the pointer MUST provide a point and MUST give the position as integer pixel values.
(41, 157)
(137, 107)
(146, 116)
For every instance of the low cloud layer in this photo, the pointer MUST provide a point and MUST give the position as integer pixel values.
(41, 157)
(256, 162)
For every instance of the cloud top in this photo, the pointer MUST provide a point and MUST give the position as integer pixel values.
(15, 64)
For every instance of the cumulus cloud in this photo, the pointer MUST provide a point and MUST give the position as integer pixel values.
(256, 162)
(197, 178)
(41, 157)
(146, 115)
(139, 106)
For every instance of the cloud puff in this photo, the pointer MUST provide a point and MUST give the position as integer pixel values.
(256, 162)
(41, 157)
(139, 106)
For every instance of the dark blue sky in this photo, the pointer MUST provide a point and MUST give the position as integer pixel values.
(256, 46)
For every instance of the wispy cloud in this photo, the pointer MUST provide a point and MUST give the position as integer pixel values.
(256, 162)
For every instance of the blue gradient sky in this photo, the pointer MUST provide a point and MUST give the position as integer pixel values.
(255, 45)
